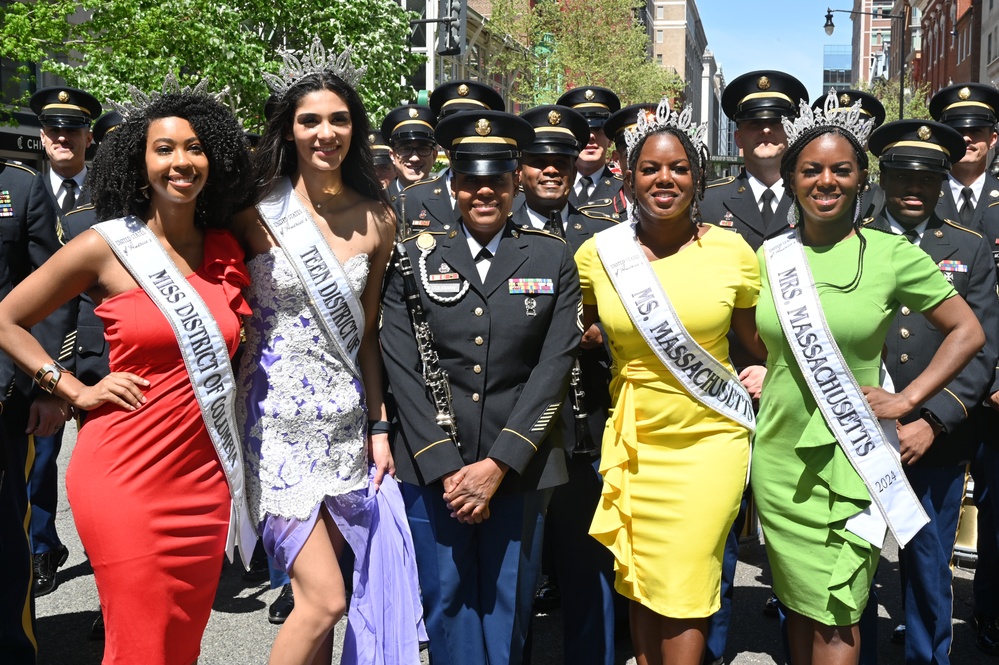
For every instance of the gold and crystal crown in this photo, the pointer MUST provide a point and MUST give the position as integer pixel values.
(852, 120)
(314, 61)
(664, 117)
(140, 100)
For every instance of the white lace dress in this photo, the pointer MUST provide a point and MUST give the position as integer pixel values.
(304, 412)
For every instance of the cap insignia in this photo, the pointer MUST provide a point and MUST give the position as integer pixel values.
(371, 138)
(763, 83)
(413, 113)
(462, 90)
(589, 95)
(554, 118)
(63, 96)
(924, 133)
(425, 242)
(483, 128)
(964, 93)
(844, 99)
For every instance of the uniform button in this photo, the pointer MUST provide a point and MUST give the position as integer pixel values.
(904, 332)
(475, 397)
(478, 311)
(478, 341)
(477, 369)
(905, 311)
(904, 357)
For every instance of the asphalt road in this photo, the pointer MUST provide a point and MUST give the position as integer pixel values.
(238, 631)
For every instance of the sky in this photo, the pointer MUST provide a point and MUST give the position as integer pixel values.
(786, 35)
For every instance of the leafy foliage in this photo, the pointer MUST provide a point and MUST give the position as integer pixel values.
(107, 44)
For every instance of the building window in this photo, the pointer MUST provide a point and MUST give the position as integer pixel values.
(988, 51)
(659, 59)
(660, 12)
(659, 36)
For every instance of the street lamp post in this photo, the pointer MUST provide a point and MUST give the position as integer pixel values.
(829, 27)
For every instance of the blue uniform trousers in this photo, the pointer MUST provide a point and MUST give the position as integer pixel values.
(17, 608)
(718, 623)
(43, 491)
(584, 567)
(924, 565)
(985, 471)
(477, 580)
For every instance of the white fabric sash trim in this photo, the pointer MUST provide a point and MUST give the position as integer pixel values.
(330, 292)
(205, 353)
(839, 396)
(650, 310)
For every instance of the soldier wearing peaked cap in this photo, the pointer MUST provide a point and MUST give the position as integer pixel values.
(410, 133)
(754, 205)
(428, 205)
(940, 436)
(617, 124)
(971, 194)
(501, 305)
(594, 179)
(575, 563)
(381, 152)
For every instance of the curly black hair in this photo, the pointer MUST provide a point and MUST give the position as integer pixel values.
(698, 158)
(117, 177)
(276, 156)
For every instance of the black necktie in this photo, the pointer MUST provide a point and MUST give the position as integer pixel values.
(554, 225)
(584, 188)
(69, 201)
(968, 209)
(912, 235)
(483, 255)
(768, 210)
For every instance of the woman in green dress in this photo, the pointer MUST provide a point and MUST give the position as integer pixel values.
(805, 485)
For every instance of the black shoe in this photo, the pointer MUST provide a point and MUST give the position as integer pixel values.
(45, 566)
(282, 606)
(97, 630)
(898, 635)
(770, 608)
(548, 597)
(259, 570)
(720, 660)
(988, 634)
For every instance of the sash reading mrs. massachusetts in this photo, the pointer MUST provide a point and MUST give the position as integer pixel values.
(330, 293)
(650, 310)
(205, 353)
(840, 398)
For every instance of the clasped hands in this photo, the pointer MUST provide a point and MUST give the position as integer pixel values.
(468, 490)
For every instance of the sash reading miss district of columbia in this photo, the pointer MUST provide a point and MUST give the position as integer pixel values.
(650, 310)
(330, 293)
(205, 353)
(839, 397)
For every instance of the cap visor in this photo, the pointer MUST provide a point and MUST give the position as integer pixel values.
(484, 166)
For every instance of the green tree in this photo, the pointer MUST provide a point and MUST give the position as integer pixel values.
(916, 105)
(103, 46)
(567, 43)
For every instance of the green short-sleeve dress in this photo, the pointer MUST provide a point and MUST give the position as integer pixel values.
(803, 483)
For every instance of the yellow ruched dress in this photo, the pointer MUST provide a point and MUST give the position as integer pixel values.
(673, 470)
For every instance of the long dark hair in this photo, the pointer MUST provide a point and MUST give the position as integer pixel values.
(276, 156)
(698, 158)
(117, 178)
(789, 164)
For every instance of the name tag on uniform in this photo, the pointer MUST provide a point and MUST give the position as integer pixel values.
(6, 207)
(952, 266)
(444, 287)
(531, 286)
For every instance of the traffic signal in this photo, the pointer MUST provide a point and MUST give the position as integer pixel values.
(453, 14)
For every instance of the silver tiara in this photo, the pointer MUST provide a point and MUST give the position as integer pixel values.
(830, 115)
(663, 118)
(315, 61)
(140, 101)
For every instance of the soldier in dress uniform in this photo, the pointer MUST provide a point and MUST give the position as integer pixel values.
(971, 195)
(384, 166)
(429, 204)
(410, 132)
(872, 201)
(595, 181)
(939, 437)
(66, 115)
(615, 127)
(27, 239)
(753, 203)
(502, 305)
(579, 569)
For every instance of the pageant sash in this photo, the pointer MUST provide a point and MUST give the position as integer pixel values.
(330, 293)
(650, 310)
(205, 353)
(839, 396)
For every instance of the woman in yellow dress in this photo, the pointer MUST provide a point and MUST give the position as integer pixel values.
(674, 467)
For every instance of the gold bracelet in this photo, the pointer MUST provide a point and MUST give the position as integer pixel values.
(53, 368)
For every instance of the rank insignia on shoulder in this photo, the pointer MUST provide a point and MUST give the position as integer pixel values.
(952, 266)
(531, 286)
(426, 242)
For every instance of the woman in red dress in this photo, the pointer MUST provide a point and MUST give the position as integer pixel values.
(147, 488)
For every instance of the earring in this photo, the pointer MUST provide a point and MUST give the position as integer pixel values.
(145, 190)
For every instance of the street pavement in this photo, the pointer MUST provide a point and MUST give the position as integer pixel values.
(238, 631)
